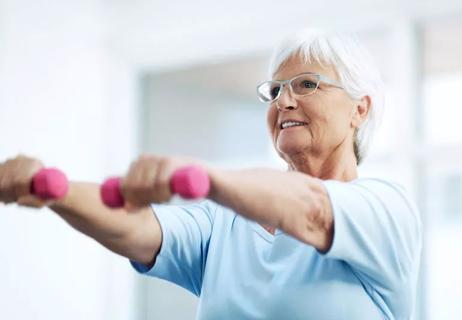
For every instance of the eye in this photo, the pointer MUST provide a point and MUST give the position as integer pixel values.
(307, 84)
(275, 91)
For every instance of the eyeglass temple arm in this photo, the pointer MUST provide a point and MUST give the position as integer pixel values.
(329, 81)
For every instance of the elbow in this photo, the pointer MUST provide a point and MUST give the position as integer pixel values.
(142, 248)
(136, 246)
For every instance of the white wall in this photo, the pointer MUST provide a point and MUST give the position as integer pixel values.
(65, 99)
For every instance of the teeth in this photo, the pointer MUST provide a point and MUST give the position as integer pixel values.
(292, 124)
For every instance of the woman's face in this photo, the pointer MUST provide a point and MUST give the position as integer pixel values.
(328, 115)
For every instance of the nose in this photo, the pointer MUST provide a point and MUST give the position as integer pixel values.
(286, 101)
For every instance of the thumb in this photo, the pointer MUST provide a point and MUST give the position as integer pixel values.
(33, 202)
(129, 207)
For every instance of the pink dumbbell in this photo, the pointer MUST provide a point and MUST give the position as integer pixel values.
(49, 184)
(191, 182)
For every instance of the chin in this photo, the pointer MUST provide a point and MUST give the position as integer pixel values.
(293, 141)
(289, 149)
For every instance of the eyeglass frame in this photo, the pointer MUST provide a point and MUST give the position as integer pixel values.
(289, 81)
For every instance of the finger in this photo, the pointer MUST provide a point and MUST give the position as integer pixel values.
(162, 182)
(16, 177)
(6, 192)
(24, 184)
(31, 201)
(22, 188)
(140, 186)
(128, 182)
(148, 191)
(132, 186)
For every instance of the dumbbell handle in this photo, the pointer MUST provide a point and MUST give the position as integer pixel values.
(191, 182)
(49, 184)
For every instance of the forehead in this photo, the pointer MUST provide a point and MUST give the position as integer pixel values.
(296, 65)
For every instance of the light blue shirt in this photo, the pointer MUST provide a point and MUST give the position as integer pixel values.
(241, 271)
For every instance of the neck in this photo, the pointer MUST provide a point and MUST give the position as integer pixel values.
(340, 164)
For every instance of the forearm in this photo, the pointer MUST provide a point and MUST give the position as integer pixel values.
(291, 201)
(121, 232)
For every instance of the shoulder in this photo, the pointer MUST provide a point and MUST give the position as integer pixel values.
(370, 187)
(390, 193)
(374, 194)
(216, 212)
(369, 183)
(379, 183)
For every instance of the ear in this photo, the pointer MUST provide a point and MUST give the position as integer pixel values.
(361, 110)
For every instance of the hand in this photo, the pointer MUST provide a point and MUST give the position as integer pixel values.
(15, 181)
(148, 180)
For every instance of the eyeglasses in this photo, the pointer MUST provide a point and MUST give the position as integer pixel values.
(303, 84)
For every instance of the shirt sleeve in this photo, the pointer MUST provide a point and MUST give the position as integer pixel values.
(378, 232)
(186, 234)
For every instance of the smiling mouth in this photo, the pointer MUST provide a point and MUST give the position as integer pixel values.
(291, 124)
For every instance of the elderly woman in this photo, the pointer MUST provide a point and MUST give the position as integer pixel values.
(313, 242)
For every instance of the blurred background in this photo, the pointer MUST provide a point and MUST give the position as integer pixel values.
(88, 85)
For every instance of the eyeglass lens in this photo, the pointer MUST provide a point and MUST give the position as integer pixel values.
(301, 85)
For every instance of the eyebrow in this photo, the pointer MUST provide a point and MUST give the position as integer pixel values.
(309, 72)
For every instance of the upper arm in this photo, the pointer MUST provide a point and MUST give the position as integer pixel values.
(185, 236)
(145, 239)
(377, 231)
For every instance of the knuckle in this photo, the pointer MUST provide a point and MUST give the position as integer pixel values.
(21, 157)
(133, 164)
(146, 159)
(167, 161)
(164, 183)
(146, 185)
(146, 156)
(128, 186)
(35, 163)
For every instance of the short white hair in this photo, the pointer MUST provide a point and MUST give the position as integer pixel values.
(353, 64)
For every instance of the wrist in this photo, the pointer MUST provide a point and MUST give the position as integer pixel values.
(215, 177)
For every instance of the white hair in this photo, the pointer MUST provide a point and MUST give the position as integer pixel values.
(355, 68)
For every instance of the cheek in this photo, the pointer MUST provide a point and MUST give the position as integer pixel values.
(318, 118)
(271, 120)
(338, 123)
(342, 116)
